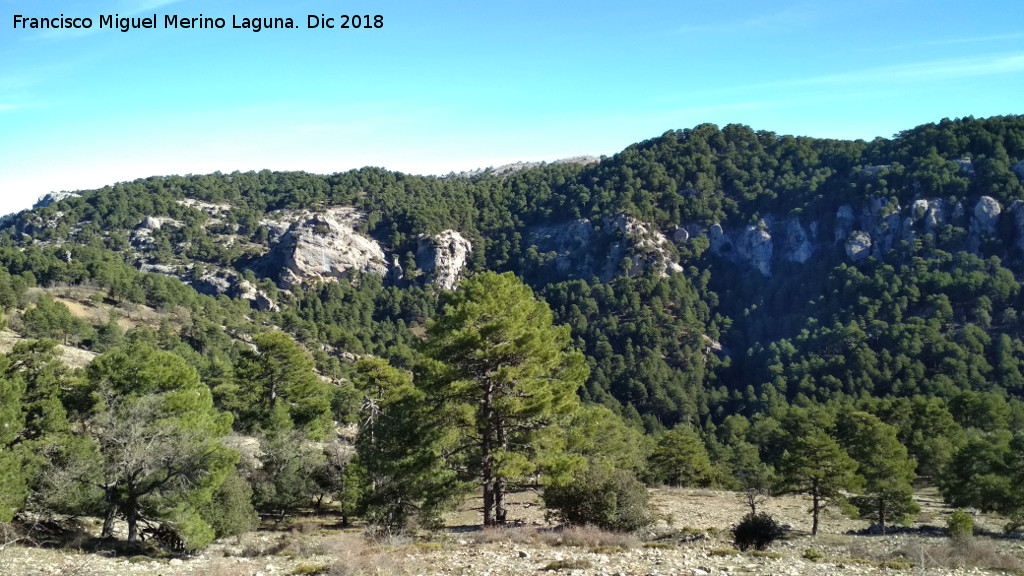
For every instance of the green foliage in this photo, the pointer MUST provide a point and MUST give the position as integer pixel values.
(285, 482)
(925, 335)
(602, 438)
(498, 374)
(230, 511)
(12, 421)
(599, 495)
(680, 459)
(986, 473)
(757, 531)
(815, 464)
(276, 382)
(156, 433)
(52, 319)
(960, 525)
(883, 463)
(399, 452)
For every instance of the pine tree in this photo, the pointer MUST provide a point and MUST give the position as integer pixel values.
(498, 374)
(12, 480)
(157, 437)
(888, 472)
(680, 459)
(400, 454)
(816, 465)
(278, 376)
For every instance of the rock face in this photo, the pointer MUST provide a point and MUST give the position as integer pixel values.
(53, 198)
(646, 248)
(1017, 209)
(986, 215)
(798, 247)
(322, 247)
(443, 257)
(936, 215)
(984, 220)
(573, 243)
(755, 246)
(844, 223)
(581, 249)
(858, 247)
(720, 243)
(1018, 169)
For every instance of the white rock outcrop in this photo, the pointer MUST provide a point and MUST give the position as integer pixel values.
(986, 215)
(719, 240)
(844, 223)
(798, 246)
(647, 247)
(53, 198)
(858, 246)
(755, 246)
(443, 257)
(321, 247)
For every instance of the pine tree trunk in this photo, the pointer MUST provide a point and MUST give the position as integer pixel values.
(881, 514)
(817, 507)
(500, 512)
(488, 503)
(108, 522)
(132, 516)
(487, 452)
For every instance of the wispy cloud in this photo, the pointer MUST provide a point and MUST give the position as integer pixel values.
(8, 107)
(911, 73)
(976, 39)
(951, 69)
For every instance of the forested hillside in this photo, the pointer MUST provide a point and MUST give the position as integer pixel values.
(736, 296)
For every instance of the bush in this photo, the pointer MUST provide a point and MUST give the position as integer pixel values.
(230, 512)
(960, 525)
(609, 499)
(757, 531)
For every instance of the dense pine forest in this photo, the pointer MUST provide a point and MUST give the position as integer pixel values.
(755, 311)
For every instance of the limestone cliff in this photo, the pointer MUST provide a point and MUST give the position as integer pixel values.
(323, 246)
(443, 257)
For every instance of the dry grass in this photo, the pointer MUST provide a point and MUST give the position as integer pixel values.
(981, 553)
(361, 558)
(576, 536)
(589, 537)
(513, 534)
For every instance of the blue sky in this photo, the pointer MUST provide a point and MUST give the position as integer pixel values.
(456, 85)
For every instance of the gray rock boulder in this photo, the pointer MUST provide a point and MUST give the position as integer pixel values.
(720, 242)
(323, 247)
(443, 257)
(647, 248)
(53, 198)
(858, 246)
(986, 216)
(755, 246)
(919, 209)
(844, 222)
(798, 245)
(936, 215)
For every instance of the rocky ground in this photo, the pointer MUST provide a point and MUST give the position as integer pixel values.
(691, 539)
